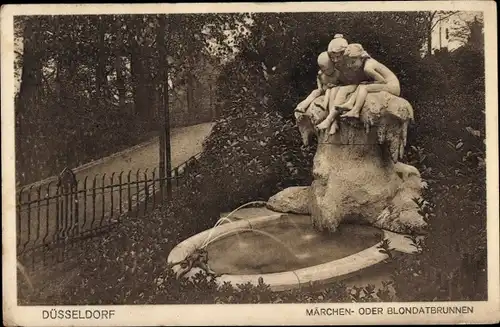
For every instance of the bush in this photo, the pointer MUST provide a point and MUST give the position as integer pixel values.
(448, 148)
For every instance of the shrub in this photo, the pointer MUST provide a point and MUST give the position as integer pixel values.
(448, 148)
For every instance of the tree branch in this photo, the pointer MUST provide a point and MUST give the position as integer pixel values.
(443, 18)
(176, 95)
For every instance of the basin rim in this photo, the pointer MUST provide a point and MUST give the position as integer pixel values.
(326, 272)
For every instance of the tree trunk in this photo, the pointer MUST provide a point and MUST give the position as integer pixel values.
(120, 81)
(58, 81)
(32, 67)
(148, 84)
(120, 67)
(165, 156)
(190, 80)
(27, 104)
(190, 92)
(138, 72)
(100, 70)
(138, 82)
(430, 20)
(69, 80)
(429, 39)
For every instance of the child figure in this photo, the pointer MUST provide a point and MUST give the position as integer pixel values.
(326, 80)
(347, 85)
(375, 77)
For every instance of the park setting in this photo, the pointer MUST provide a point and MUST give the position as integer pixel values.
(269, 157)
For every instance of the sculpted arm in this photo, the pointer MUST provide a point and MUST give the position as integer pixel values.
(379, 72)
(318, 83)
(384, 79)
(302, 106)
(374, 73)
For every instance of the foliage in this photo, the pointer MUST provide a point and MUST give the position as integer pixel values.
(450, 154)
(262, 150)
(92, 85)
(470, 32)
(448, 96)
(277, 65)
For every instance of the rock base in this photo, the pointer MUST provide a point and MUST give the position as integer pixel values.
(356, 173)
(397, 213)
(291, 200)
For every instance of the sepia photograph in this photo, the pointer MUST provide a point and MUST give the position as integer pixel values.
(330, 157)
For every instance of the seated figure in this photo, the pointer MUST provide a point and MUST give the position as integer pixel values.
(326, 81)
(377, 78)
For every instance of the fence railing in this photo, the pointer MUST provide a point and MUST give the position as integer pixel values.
(61, 212)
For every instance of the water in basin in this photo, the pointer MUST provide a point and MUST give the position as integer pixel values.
(294, 245)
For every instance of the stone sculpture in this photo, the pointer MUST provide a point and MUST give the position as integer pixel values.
(357, 175)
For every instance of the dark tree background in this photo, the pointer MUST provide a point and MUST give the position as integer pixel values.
(89, 85)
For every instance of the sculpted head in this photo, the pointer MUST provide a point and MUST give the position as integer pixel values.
(336, 48)
(354, 55)
(325, 64)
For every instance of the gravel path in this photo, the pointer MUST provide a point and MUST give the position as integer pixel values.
(185, 143)
(96, 202)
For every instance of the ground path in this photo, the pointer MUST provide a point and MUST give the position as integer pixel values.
(39, 222)
(185, 143)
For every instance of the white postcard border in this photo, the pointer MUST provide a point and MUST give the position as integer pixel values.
(244, 314)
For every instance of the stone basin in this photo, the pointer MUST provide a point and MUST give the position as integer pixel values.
(285, 251)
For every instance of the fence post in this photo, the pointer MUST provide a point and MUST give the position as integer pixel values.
(112, 205)
(154, 188)
(19, 219)
(67, 184)
(76, 209)
(165, 156)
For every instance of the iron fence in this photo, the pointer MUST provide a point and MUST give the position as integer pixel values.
(55, 215)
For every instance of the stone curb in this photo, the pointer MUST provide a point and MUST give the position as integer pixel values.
(323, 273)
(99, 161)
(93, 163)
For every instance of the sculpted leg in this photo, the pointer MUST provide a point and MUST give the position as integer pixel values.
(332, 110)
(324, 105)
(359, 100)
(335, 127)
(349, 105)
(331, 102)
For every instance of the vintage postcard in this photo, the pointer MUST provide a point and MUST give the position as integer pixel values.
(250, 164)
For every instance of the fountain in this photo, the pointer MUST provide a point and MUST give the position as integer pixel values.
(362, 200)
(271, 247)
